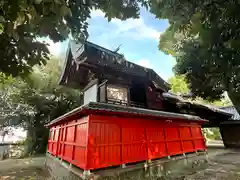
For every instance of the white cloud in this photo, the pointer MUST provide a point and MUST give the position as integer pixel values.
(136, 28)
(145, 63)
(97, 13)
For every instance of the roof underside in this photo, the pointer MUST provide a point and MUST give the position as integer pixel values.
(86, 61)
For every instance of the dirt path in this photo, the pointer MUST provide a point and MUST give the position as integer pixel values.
(23, 169)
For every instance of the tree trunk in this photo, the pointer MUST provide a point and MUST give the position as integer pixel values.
(37, 137)
(235, 98)
(31, 140)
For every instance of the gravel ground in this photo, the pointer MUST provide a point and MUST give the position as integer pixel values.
(225, 166)
(23, 169)
(222, 166)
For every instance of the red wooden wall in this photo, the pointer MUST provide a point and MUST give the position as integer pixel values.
(69, 141)
(96, 141)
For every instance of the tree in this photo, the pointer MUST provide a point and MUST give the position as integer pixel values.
(204, 38)
(180, 86)
(38, 99)
(9, 88)
(24, 22)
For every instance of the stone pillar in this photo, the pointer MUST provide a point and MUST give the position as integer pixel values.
(230, 131)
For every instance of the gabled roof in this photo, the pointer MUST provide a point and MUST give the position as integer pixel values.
(179, 99)
(232, 109)
(85, 61)
(215, 115)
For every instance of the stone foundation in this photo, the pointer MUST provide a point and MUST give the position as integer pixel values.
(157, 169)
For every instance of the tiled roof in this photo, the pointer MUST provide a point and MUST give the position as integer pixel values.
(91, 55)
(207, 106)
(232, 110)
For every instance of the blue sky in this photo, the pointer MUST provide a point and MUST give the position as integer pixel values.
(138, 39)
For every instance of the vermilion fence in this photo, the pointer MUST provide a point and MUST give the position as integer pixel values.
(99, 141)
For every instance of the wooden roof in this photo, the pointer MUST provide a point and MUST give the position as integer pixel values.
(116, 109)
(232, 109)
(86, 61)
(211, 113)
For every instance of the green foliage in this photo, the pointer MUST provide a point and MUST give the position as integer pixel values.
(24, 22)
(223, 102)
(204, 38)
(21, 142)
(178, 84)
(218, 103)
(212, 133)
(34, 101)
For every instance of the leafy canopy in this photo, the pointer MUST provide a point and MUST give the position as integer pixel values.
(204, 38)
(34, 101)
(179, 86)
(24, 22)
